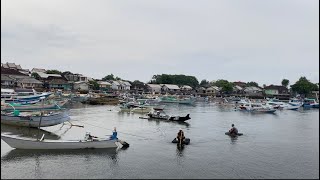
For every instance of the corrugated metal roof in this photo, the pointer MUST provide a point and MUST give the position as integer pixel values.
(154, 85)
(186, 87)
(171, 86)
(104, 83)
(44, 75)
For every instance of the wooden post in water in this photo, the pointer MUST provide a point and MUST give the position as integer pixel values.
(41, 113)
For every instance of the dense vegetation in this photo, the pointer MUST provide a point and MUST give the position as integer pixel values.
(304, 87)
(175, 79)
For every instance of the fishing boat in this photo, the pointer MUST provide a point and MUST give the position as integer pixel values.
(310, 103)
(171, 99)
(33, 119)
(141, 109)
(256, 108)
(295, 102)
(47, 105)
(27, 143)
(22, 95)
(162, 115)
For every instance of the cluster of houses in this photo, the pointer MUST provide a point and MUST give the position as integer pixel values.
(13, 75)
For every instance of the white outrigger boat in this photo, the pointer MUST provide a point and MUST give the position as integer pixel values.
(87, 143)
(33, 119)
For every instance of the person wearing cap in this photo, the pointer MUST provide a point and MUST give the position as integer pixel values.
(233, 130)
(180, 136)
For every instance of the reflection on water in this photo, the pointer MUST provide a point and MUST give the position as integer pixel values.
(158, 122)
(20, 154)
(233, 139)
(27, 132)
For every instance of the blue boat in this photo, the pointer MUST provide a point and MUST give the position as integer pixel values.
(310, 103)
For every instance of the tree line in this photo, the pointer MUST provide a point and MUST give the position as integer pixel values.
(303, 86)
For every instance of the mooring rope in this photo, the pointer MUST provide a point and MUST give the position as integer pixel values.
(145, 138)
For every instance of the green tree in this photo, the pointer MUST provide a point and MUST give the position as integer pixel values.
(175, 79)
(226, 86)
(204, 83)
(94, 85)
(285, 82)
(138, 84)
(303, 86)
(35, 75)
(252, 83)
(53, 71)
(109, 77)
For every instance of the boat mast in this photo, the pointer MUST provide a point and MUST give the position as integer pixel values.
(41, 113)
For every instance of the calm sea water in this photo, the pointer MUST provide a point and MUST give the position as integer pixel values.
(281, 145)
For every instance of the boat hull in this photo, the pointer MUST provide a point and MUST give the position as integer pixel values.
(38, 106)
(33, 121)
(20, 143)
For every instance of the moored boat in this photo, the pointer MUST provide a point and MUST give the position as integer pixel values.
(32, 119)
(27, 143)
(163, 116)
(37, 106)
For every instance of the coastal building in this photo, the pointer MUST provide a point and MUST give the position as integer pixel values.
(124, 85)
(81, 86)
(104, 85)
(115, 85)
(7, 81)
(11, 77)
(213, 91)
(238, 90)
(154, 88)
(36, 70)
(253, 91)
(279, 92)
(16, 67)
(170, 88)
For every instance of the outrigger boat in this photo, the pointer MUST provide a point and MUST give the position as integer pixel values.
(162, 115)
(27, 143)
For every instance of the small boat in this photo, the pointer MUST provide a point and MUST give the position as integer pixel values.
(186, 141)
(295, 102)
(27, 143)
(33, 119)
(310, 103)
(233, 135)
(171, 99)
(141, 109)
(38, 106)
(256, 108)
(162, 115)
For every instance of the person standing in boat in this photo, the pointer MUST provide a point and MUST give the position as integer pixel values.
(233, 130)
(114, 134)
(180, 136)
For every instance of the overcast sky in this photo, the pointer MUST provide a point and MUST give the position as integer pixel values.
(237, 40)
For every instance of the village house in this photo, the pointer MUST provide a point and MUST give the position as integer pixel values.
(253, 91)
(15, 67)
(124, 85)
(212, 91)
(280, 92)
(115, 85)
(36, 70)
(104, 85)
(81, 86)
(14, 78)
(170, 88)
(237, 90)
(154, 88)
